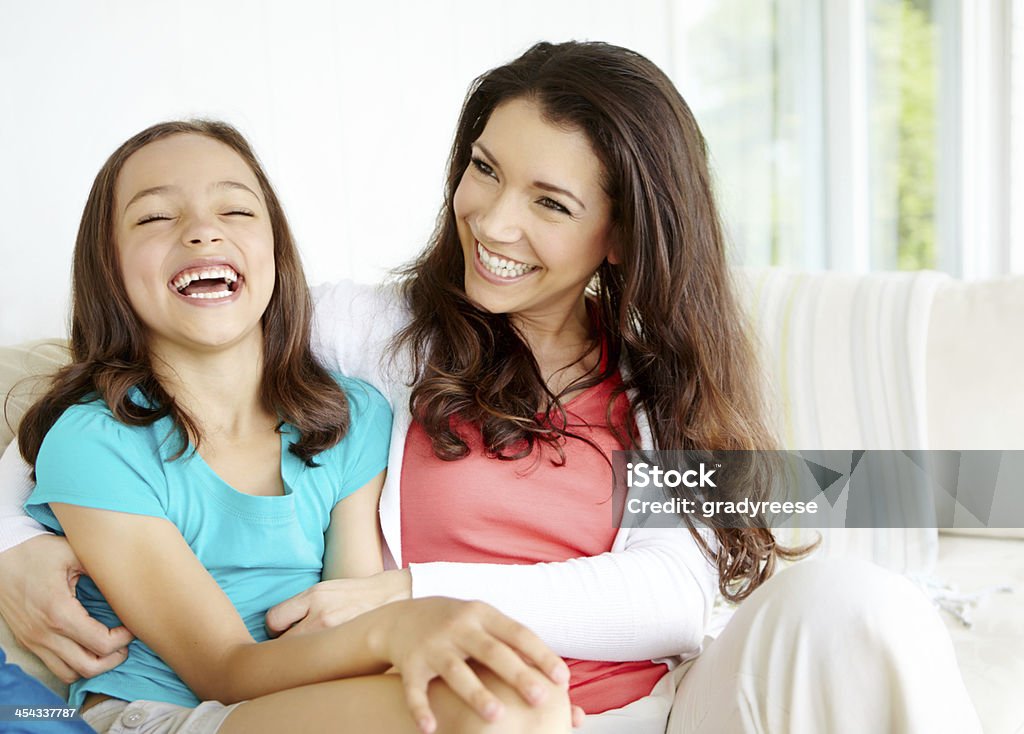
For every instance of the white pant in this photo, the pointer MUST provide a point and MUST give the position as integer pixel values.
(825, 647)
(114, 716)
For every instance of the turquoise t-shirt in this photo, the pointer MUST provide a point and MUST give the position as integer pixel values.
(261, 550)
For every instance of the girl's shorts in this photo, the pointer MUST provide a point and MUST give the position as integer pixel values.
(156, 717)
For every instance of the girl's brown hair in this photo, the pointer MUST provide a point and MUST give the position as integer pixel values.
(109, 352)
(669, 309)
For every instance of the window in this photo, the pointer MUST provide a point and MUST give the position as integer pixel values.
(861, 134)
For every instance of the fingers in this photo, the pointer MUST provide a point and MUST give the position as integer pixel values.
(84, 663)
(290, 612)
(72, 621)
(69, 661)
(436, 637)
(415, 685)
(84, 644)
(463, 681)
(37, 599)
(56, 666)
(504, 662)
(531, 647)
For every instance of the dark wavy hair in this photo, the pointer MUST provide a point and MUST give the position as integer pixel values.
(668, 310)
(109, 351)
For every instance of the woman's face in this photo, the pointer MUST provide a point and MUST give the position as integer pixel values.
(195, 243)
(533, 219)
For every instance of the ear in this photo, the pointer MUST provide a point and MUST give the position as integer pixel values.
(614, 256)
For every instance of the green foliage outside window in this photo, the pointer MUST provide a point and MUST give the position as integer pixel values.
(902, 108)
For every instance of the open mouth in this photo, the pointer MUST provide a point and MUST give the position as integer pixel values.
(208, 282)
(501, 266)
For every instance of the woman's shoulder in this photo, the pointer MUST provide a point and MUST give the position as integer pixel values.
(354, 325)
(350, 299)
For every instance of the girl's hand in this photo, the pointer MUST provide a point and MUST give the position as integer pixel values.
(334, 602)
(436, 637)
(37, 599)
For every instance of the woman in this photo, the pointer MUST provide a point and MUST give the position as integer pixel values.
(574, 300)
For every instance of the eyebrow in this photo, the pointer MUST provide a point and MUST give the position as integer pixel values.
(543, 185)
(156, 190)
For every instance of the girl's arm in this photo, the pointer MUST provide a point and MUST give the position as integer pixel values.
(352, 544)
(353, 557)
(184, 616)
(38, 573)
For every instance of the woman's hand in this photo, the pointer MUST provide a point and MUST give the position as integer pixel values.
(37, 599)
(437, 637)
(334, 602)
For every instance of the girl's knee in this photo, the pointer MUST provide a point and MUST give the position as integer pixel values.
(552, 714)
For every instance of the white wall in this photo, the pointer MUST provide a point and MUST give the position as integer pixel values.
(351, 107)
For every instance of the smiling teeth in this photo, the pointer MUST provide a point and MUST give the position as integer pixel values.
(216, 294)
(225, 273)
(500, 266)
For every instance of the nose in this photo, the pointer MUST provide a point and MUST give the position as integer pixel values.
(499, 220)
(201, 229)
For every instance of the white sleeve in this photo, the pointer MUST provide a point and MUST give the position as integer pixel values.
(15, 486)
(650, 600)
(352, 329)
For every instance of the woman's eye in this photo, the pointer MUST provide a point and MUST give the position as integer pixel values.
(552, 204)
(483, 167)
(238, 211)
(153, 218)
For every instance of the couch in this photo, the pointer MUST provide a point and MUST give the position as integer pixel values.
(853, 361)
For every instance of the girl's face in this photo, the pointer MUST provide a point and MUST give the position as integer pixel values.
(195, 243)
(533, 219)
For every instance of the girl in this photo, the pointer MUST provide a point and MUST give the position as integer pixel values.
(574, 300)
(203, 465)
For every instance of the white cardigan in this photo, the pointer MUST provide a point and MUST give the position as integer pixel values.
(650, 597)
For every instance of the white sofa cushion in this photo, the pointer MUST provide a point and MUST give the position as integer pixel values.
(846, 355)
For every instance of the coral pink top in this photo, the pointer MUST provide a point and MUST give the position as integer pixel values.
(484, 510)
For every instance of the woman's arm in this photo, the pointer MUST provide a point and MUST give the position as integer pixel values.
(218, 659)
(652, 599)
(38, 573)
(15, 486)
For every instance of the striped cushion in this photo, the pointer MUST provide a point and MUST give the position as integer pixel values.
(845, 355)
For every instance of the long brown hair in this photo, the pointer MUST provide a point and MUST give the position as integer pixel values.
(668, 309)
(109, 351)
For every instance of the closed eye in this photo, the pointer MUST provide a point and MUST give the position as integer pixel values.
(239, 211)
(483, 167)
(146, 218)
(550, 203)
